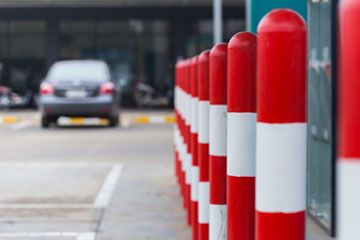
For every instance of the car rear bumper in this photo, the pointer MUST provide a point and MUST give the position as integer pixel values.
(100, 106)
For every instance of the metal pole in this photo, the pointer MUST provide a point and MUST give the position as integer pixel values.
(217, 21)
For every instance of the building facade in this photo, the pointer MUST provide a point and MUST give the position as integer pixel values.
(141, 40)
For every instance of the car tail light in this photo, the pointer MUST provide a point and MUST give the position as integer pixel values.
(107, 88)
(46, 89)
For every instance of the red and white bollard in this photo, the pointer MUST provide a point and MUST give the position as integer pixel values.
(194, 147)
(241, 136)
(177, 133)
(203, 147)
(348, 164)
(187, 133)
(181, 140)
(176, 117)
(281, 127)
(217, 141)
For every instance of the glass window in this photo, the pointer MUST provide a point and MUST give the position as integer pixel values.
(82, 70)
(22, 54)
(77, 40)
(320, 162)
(201, 34)
(27, 39)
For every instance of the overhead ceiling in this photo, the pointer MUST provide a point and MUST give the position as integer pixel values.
(117, 3)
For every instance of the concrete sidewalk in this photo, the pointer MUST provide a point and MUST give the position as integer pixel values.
(315, 233)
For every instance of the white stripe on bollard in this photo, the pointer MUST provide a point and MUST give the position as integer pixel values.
(194, 183)
(204, 122)
(348, 204)
(217, 218)
(241, 150)
(279, 169)
(204, 199)
(217, 135)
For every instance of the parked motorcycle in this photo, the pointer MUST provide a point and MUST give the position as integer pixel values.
(147, 97)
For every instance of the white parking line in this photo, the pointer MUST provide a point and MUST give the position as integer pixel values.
(86, 236)
(21, 125)
(125, 123)
(76, 235)
(30, 206)
(104, 195)
(56, 164)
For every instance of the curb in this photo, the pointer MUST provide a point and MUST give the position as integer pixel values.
(82, 121)
(9, 120)
(154, 119)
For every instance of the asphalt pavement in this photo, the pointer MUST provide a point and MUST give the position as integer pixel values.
(91, 182)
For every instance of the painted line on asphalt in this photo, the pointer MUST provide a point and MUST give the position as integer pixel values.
(56, 164)
(9, 119)
(21, 125)
(107, 190)
(37, 206)
(82, 121)
(149, 119)
(125, 123)
(76, 235)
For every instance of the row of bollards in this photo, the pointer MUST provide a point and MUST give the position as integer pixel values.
(240, 135)
(241, 117)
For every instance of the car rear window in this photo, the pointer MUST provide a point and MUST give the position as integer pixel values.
(78, 70)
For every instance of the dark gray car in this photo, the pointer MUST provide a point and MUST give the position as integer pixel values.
(79, 88)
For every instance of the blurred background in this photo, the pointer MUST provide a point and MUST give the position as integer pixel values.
(59, 177)
(140, 40)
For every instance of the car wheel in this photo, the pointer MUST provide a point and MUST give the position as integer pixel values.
(45, 122)
(113, 121)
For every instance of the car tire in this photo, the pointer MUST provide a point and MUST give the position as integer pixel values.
(113, 121)
(45, 122)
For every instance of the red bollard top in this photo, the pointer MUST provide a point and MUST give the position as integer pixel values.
(349, 95)
(178, 73)
(242, 73)
(194, 76)
(203, 75)
(218, 74)
(180, 70)
(183, 75)
(282, 67)
(177, 81)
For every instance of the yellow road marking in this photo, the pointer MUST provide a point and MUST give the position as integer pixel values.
(170, 119)
(77, 120)
(9, 119)
(142, 120)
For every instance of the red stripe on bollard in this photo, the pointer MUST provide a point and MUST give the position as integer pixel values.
(203, 147)
(348, 164)
(270, 223)
(217, 143)
(194, 147)
(281, 127)
(241, 137)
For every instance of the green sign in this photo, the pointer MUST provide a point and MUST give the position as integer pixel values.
(259, 8)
